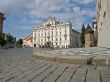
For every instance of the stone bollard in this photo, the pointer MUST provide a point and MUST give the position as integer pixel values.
(107, 61)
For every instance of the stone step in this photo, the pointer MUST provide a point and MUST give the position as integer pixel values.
(64, 59)
(75, 59)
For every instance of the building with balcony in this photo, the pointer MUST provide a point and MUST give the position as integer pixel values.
(55, 34)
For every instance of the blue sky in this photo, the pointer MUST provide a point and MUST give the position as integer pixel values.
(23, 15)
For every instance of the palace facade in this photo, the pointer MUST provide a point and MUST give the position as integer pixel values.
(56, 34)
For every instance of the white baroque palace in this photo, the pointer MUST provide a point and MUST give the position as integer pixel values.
(56, 34)
(103, 22)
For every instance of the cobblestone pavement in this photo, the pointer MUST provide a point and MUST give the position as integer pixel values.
(17, 66)
(45, 71)
(74, 51)
(14, 56)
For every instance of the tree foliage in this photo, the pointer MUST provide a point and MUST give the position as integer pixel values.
(0, 35)
(10, 38)
(2, 42)
(19, 42)
(83, 34)
(6, 38)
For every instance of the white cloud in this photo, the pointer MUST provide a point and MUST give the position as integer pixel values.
(23, 27)
(35, 9)
(76, 9)
(91, 13)
(84, 1)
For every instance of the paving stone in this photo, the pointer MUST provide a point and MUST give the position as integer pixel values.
(92, 76)
(101, 68)
(46, 73)
(66, 76)
(31, 76)
(80, 75)
(9, 68)
(15, 72)
(23, 75)
(28, 70)
(105, 76)
(56, 74)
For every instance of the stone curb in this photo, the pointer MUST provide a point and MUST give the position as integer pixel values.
(63, 59)
(101, 60)
(81, 59)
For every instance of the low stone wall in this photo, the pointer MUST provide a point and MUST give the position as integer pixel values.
(94, 56)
